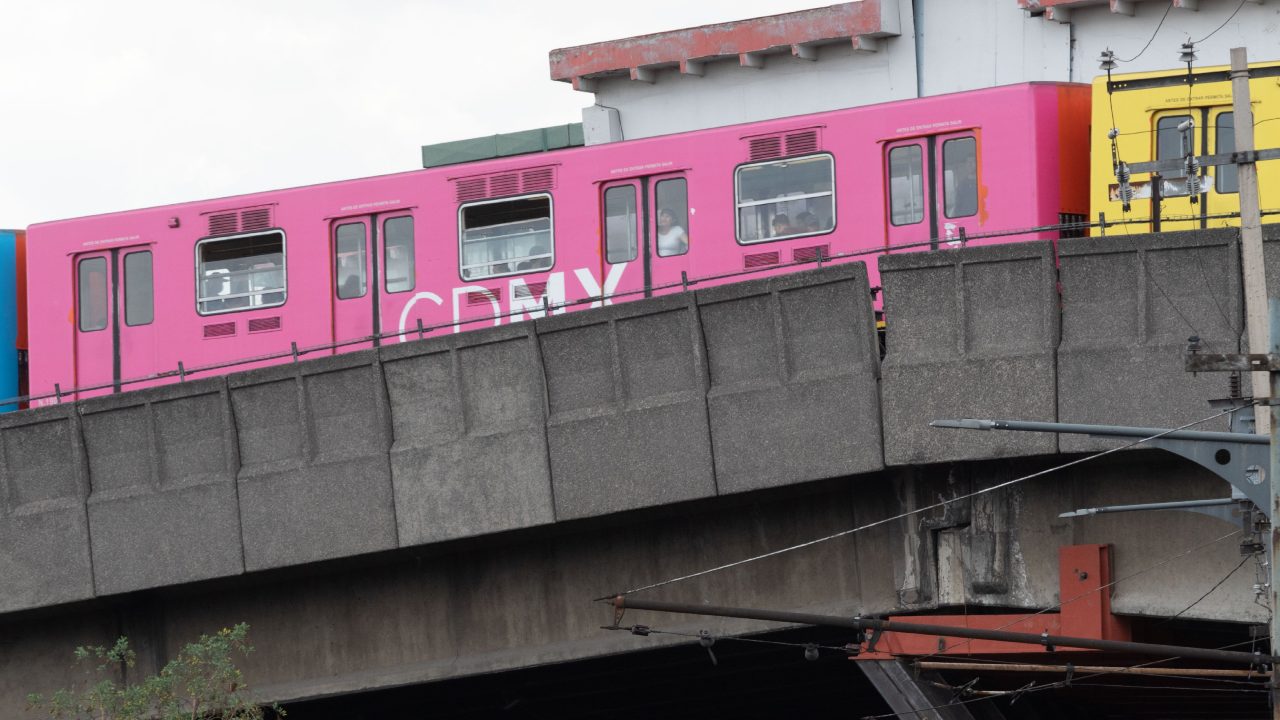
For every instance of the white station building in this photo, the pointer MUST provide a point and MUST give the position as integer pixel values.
(872, 51)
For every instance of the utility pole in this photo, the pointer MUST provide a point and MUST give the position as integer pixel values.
(1264, 331)
(1274, 484)
(1255, 282)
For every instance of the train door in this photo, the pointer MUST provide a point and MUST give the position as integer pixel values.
(1176, 209)
(646, 234)
(114, 318)
(909, 172)
(667, 262)
(932, 190)
(955, 190)
(1214, 132)
(623, 231)
(372, 260)
(1224, 184)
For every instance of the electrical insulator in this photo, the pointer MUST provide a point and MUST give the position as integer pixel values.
(1188, 54)
(1125, 189)
(1187, 128)
(810, 652)
(1107, 60)
(1190, 163)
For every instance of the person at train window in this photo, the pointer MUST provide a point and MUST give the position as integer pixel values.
(534, 262)
(782, 225)
(808, 222)
(350, 280)
(216, 284)
(672, 239)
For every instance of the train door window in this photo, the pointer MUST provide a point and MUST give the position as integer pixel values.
(240, 273)
(139, 292)
(672, 216)
(1227, 180)
(92, 294)
(620, 223)
(397, 251)
(1169, 139)
(349, 261)
(785, 198)
(906, 185)
(960, 177)
(505, 237)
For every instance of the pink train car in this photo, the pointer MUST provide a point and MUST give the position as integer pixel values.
(118, 301)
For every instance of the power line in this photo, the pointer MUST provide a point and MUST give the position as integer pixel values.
(645, 630)
(1216, 585)
(1040, 688)
(1224, 23)
(1153, 35)
(927, 508)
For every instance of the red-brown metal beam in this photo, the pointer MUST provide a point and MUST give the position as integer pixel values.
(806, 28)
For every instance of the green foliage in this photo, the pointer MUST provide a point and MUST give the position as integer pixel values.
(201, 683)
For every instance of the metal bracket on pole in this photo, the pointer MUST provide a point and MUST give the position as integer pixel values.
(1240, 459)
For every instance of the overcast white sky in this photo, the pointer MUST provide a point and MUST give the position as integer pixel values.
(109, 106)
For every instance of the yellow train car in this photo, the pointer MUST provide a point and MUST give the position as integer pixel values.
(1150, 111)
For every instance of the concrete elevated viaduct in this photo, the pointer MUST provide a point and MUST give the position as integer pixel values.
(450, 507)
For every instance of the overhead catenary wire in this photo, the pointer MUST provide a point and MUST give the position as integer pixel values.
(1043, 639)
(645, 630)
(1153, 35)
(1224, 23)
(1224, 675)
(1211, 590)
(1037, 688)
(923, 509)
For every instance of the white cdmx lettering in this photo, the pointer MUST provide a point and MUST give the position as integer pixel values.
(521, 298)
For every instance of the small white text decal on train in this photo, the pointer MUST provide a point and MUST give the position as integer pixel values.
(520, 299)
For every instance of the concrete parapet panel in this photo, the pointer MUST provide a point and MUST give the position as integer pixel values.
(44, 532)
(163, 506)
(1271, 256)
(1129, 304)
(971, 333)
(470, 453)
(314, 479)
(627, 424)
(793, 366)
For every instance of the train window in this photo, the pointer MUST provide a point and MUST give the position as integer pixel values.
(92, 294)
(349, 261)
(240, 273)
(1227, 180)
(139, 293)
(785, 198)
(672, 218)
(505, 237)
(1169, 140)
(960, 177)
(906, 185)
(397, 254)
(620, 220)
